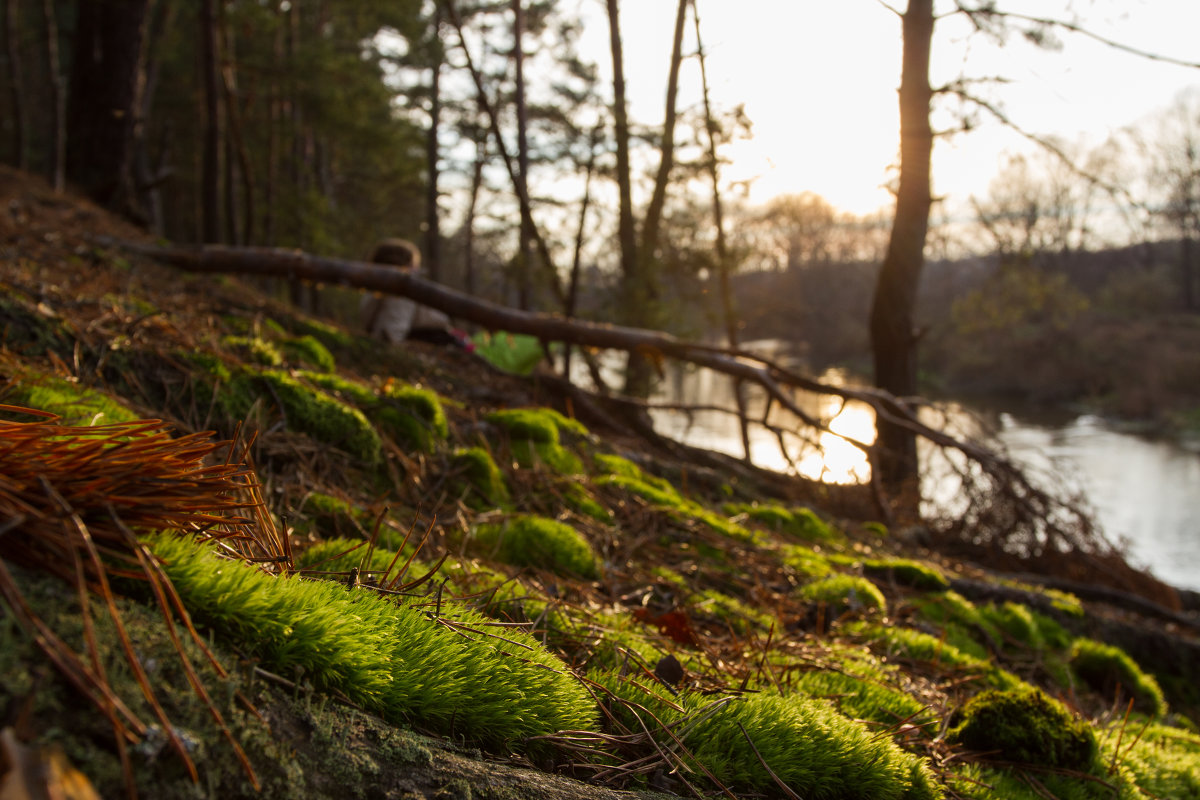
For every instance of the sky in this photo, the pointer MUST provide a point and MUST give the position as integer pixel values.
(818, 79)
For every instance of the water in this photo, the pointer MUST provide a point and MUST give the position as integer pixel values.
(1144, 492)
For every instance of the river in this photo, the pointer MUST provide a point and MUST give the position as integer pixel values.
(1143, 491)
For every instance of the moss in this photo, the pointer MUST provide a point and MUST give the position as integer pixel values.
(804, 561)
(388, 658)
(738, 616)
(75, 404)
(581, 501)
(343, 555)
(939, 652)
(610, 464)
(252, 348)
(535, 438)
(1026, 726)
(414, 415)
(867, 697)
(841, 593)
(812, 749)
(923, 577)
(530, 541)
(1015, 623)
(332, 338)
(1110, 671)
(482, 476)
(308, 351)
(802, 523)
(317, 414)
(1164, 761)
(27, 329)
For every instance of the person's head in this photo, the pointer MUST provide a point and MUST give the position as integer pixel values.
(398, 252)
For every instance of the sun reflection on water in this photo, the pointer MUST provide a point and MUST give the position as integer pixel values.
(836, 460)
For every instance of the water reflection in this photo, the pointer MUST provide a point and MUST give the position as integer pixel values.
(1142, 490)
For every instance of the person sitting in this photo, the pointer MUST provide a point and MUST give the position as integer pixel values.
(394, 319)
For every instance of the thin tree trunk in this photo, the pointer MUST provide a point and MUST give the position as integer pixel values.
(235, 141)
(210, 168)
(723, 266)
(653, 219)
(433, 233)
(58, 99)
(893, 337)
(12, 51)
(577, 257)
(469, 244)
(526, 207)
(525, 243)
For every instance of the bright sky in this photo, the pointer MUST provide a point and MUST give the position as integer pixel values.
(819, 79)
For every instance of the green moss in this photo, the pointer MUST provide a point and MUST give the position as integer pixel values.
(814, 750)
(414, 415)
(581, 501)
(1026, 726)
(317, 414)
(802, 523)
(27, 330)
(938, 652)
(252, 348)
(1110, 671)
(1015, 623)
(75, 404)
(1165, 762)
(308, 351)
(388, 658)
(332, 338)
(530, 541)
(535, 437)
(738, 616)
(343, 555)
(923, 577)
(867, 697)
(841, 593)
(481, 475)
(804, 561)
(610, 464)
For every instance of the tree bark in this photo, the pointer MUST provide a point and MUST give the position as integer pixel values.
(525, 238)
(433, 232)
(653, 219)
(103, 100)
(893, 338)
(635, 289)
(210, 170)
(12, 52)
(58, 99)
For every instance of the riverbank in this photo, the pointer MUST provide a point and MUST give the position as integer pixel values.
(654, 620)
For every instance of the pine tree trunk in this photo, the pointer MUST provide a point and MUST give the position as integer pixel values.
(12, 52)
(58, 99)
(210, 169)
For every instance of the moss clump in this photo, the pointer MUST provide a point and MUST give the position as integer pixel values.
(810, 747)
(414, 415)
(867, 697)
(482, 476)
(841, 593)
(317, 414)
(1109, 670)
(254, 349)
(526, 540)
(805, 561)
(923, 577)
(1027, 726)
(535, 437)
(802, 523)
(308, 351)
(75, 404)
(938, 651)
(1164, 761)
(1015, 623)
(581, 501)
(610, 464)
(389, 658)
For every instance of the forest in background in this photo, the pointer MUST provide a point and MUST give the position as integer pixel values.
(327, 126)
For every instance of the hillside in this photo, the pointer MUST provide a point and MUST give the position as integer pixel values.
(422, 577)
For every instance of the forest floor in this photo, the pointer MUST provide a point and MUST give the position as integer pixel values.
(547, 607)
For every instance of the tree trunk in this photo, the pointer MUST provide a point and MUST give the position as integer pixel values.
(469, 222)
(12, 52)
(577, 257)
(104, 98)
(893, 339)
(653, 219)
(58, 99)
(723, 265)
(210, 170)
(634, 288)
(433, 233)
(525, 249)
